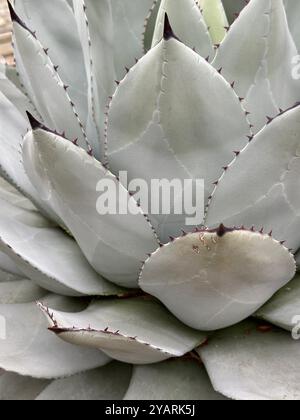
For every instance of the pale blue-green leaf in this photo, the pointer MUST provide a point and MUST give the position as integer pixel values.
(183, 379)
(260, 188)
(106, 383)
(74, 183)
(188, 24)
(136, 330)
(15, 387)
(260, 35)
(45, 87)
(55, 26)
(96, 30)
(45, 253)
(185, 123)
(283, 309)
(292, 8)
(211, 281)
(251, 362)
(20, 291)
(30, 349)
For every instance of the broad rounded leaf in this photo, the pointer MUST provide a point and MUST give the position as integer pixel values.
(137, 330)
(188, 24)
(107, 383)
(170, 133)
(29, 349)
(183, 379)
(65, 175)
(283, 309)
(260, 188)
(211, 280)
(253, 362)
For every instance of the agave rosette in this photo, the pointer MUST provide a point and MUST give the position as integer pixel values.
(168, 89)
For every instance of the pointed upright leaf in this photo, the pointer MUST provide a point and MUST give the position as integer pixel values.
(215, 18)
(188, 24)
(262, 183)
(55, 26)
(44, 85)
(184, 125)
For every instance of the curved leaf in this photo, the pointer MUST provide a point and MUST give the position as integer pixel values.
(292, 8)
(29, 349)
(54, 25)
(114, 244)
(137, 330)
(170, 134)
(45, 253)
(171, 380)
(188, 23)
(251, 362)
(283, 309)
(107, 383)
(46, 89)
(262, 183)
(211, 280)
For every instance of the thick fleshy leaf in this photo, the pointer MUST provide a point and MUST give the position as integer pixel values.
(114, 244)
(283, 309)
(259, 101)
(262, 183)
(54, 23)
(260, 37)
(171, 380)
(129, 18)
(211, 280)
(215, 18)
(95, 25)
(136, 330)
(15, 387)
(22, 291)
(184, 125)
(45, 253)
(29, 349)
(252, 362)
(107, 383)
(188, 24)
(46, 89)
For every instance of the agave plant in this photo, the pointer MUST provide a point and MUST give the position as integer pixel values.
(139, 305)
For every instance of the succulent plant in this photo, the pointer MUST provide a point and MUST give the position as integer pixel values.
(139, 305)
